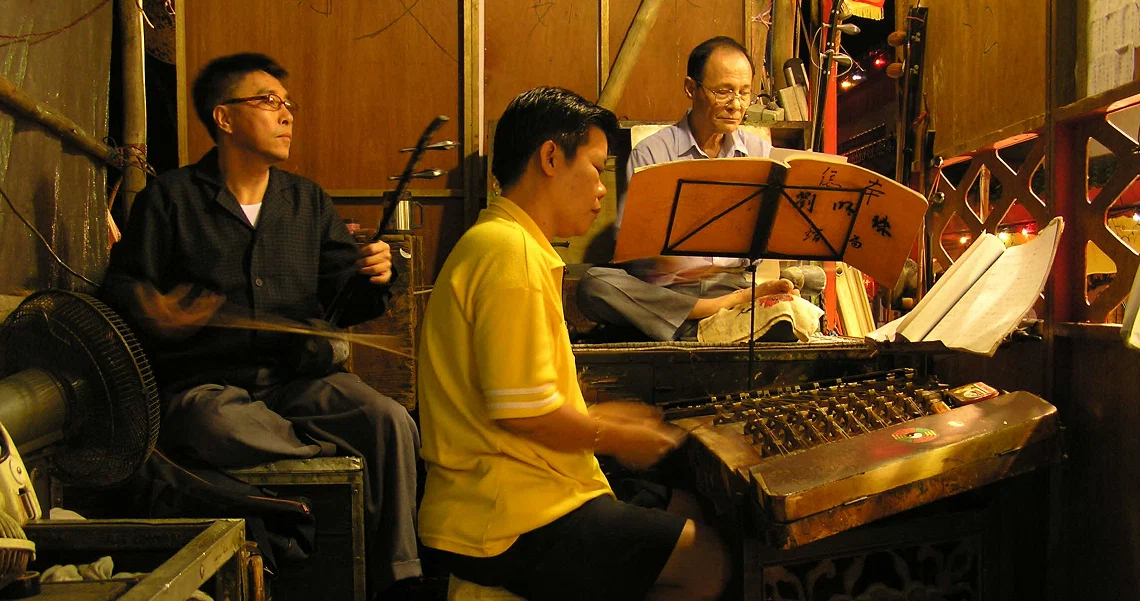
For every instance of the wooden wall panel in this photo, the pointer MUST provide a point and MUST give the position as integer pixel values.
(1099, 539)
(985, 70)
(655, 90)
(557, 43)
(529, 44)
(368, 76)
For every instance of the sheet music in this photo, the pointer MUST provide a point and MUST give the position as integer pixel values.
(810, 207)
(784, 154)
(951, 287)
(702, 189)
(869, 220)
(995, 304)
(1128, 330)
(887, 332)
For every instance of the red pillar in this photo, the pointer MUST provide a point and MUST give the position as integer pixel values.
(830, 145)
(1070, 161)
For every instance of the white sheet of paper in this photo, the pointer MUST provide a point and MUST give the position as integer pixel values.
(887, 331)
(950, 288)
(996, 303)
(1128, 330)
(984, 295)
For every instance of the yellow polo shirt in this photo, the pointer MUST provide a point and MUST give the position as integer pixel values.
(494, 345)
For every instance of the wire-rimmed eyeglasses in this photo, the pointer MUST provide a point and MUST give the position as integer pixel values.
(726, 96)
(271, 102)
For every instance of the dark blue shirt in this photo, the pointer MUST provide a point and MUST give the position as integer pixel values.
(186, 227)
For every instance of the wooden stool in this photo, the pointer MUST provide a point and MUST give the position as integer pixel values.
(459, 589)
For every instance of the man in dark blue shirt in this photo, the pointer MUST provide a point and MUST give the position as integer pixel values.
(234, 236)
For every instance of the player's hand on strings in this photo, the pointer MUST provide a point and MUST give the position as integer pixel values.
(376, 262)
(634, 433)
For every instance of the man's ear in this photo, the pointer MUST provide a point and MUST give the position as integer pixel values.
(546, 156)
(222, 119)
(690, 87)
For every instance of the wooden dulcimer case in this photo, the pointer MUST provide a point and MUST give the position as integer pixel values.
(806, 462)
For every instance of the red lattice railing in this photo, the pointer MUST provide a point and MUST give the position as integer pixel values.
(1086, 220)
(1016, 189)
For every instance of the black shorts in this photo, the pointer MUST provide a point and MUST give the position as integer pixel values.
(605, 549)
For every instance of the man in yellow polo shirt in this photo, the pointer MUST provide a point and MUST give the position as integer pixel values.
(514, 495)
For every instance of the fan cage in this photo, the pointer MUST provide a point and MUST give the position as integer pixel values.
(113, 409)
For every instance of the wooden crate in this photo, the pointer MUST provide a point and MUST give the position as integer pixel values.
(334, 487)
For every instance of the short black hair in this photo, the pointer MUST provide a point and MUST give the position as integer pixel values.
(544, 113)
(216, 80)
(699, 57)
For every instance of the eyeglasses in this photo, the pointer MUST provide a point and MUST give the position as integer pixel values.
(726, 96)
(271, 102)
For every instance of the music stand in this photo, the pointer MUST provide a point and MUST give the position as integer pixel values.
(731, 208)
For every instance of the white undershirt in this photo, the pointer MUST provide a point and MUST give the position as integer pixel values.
(251, 213)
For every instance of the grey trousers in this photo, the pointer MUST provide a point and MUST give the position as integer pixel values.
(613, 296)
(229, 427)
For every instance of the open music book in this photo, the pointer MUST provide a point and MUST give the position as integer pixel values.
(810, 206)
(1128, 330)
(785, 154)
(982, 297)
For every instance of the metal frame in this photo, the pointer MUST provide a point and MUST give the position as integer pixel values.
(206, 548)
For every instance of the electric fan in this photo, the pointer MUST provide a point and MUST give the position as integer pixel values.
(75, 382)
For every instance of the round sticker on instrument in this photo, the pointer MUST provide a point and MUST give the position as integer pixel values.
(914, 435)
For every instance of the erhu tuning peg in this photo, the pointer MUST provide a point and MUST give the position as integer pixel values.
(425, 174)
(896, 38)
(895, 70)
(444, 145)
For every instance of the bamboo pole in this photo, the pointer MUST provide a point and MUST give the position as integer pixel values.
(756, 34)
(474, 180)
(783, 32)
(603, 44)
(134, 95)
(630, 49)
(983, 193)
(29, 108)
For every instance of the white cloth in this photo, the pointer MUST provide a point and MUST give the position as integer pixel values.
(100, 569)
(730, 326)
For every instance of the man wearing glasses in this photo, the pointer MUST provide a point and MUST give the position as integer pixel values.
(664, 297)
(234, 237)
